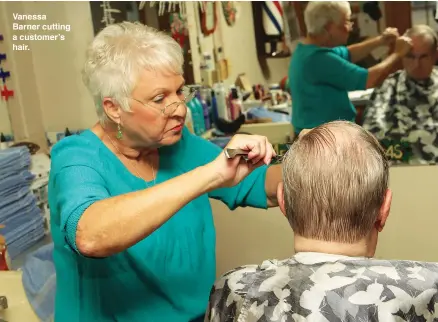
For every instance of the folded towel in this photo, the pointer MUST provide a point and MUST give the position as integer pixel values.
(19, 212)
(14, 160)
(20, 246)
(15, 207)
(24, 236)
(39, 282)
(11, 198)
(10, 184)
(20, 220)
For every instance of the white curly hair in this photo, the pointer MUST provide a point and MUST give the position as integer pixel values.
(117, 56)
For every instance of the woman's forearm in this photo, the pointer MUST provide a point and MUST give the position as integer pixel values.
(361, 50)
(112, 225)
(379, 72)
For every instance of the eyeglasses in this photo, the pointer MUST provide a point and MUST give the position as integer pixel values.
(411, 57)
(188, 93)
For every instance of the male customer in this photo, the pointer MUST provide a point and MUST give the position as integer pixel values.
(335, 195)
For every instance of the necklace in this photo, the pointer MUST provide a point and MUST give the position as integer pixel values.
(133, 163)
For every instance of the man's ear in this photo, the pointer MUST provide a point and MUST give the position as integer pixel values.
(112, 109)
(384, 211)
(280, 197)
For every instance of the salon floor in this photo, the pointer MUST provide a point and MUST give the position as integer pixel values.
(20, 259)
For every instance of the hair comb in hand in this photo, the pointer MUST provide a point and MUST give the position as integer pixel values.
(232, 153)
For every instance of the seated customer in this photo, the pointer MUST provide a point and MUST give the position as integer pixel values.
(405, 106)
(337, 201)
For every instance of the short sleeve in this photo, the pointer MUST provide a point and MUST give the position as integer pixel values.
(75, 185)
(250, 192)
(342, 52)
(333, 69)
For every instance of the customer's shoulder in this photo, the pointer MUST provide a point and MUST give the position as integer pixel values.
(389, 85)
(229, 293)
(242, 278)
(234, 292)
(404, 265)
(393, 78)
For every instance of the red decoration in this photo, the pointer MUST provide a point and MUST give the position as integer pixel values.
(6, 93)
(209, 8)
(178, 28)
(3, 257)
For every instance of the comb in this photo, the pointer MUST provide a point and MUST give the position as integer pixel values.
(232, 153)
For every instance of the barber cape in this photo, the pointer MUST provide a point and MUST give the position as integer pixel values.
(322, 287)
(405, 111)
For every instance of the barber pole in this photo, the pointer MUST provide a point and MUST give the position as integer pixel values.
(272, 17)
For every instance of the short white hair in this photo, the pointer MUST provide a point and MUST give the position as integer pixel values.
(335, 181)
(319, 13)
(424, 32)
(117, 56)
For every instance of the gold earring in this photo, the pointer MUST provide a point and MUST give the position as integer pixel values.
(119, 132)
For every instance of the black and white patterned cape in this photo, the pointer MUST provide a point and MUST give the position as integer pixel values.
(406, 111)
(323, 287)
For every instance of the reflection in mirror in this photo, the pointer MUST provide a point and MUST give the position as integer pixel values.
(403, 113)
(404, 110)
(109, 12)
(401, 110)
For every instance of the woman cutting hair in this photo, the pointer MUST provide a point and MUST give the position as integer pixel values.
(323, 70)
(131, 219)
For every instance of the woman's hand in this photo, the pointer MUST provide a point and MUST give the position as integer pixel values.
(231, 171)
(403, 45)
(389, 36)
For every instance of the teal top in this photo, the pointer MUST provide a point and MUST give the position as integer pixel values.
(320, 79)
(165, 277)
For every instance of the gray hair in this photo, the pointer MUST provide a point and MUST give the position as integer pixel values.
(320, 13)
(117, 56)
(335, 178)
(424, 32)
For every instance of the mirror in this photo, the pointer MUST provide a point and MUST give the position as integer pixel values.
(402, 111)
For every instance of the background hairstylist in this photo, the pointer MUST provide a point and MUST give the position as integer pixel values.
(322, 69)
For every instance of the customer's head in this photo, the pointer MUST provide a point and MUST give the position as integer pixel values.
(422, 57)
(335, 185)
(133, 72)
(330, 20)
